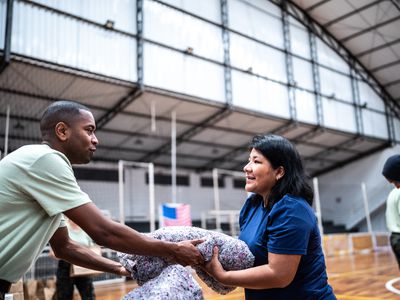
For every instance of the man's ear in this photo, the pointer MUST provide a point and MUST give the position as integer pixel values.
(61, 131)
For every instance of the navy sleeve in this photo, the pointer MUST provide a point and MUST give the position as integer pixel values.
(289, 227)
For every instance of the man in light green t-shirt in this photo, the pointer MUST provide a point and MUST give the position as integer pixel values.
(391, 171)
(38, 186)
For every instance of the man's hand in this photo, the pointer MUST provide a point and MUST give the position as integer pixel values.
(123, 272)
(187, 254)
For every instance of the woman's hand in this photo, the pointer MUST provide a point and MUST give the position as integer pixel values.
(214, 267)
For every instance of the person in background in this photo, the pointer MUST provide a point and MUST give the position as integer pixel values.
(391, 171)
(64, 282)
(278, 224)
(38, 187)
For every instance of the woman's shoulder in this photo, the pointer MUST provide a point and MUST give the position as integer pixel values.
(295, 202)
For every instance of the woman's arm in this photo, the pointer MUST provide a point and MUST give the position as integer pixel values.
(278, 273)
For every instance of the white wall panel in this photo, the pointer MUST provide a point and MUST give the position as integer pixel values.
(65, 41)
(182, 73)
(121, 12)
(207, 9)
(260, 22)
(302, 72)
(338, 115)
(3, 7)
(171, 27)
(258, 94)
(375, 124)
(306, 107)
(299, 39)
(262, 60)
(368, 96)
(330, 58)
(396, 123)
(335, 84)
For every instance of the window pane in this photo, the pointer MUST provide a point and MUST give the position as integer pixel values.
(339, 115)
(335, 85)
(179, 30)
(258, 19)
(263, 60)
(258, 94)
(183, 73)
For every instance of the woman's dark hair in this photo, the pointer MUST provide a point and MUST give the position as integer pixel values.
(280, 152)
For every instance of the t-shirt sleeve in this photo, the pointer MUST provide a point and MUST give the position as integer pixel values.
(51, 182)
(289, 229)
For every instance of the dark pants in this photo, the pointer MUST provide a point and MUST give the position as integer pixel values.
(395, 243)
(4, 288)
(65, 284)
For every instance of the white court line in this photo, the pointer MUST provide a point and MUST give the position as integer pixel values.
(389, 286)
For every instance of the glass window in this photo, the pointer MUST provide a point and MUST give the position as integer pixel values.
(375, 124)
(302, 72)
(329, 58)
(369, 98)
(258, 19)
(260, 95)
(183, 73)
(338, 115)
(299, 39)
(335, 85)
(179, 30)
(72, 43)
(207, 9)
(121, 12)
(3, 8)
(256, 58)
(306, 107)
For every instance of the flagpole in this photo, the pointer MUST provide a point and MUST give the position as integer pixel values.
(173, 155)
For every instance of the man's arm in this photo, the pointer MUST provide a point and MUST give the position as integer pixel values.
(66, 249)
(113, 235)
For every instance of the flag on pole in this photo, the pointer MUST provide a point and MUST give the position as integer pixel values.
(175, 214)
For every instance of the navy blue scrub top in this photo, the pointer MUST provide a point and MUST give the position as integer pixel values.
(290, 227)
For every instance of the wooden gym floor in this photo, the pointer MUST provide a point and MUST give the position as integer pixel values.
(353, 277)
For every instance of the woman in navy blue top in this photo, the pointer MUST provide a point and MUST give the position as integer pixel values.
(279, 226)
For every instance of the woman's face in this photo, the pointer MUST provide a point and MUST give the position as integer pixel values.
(260, 175)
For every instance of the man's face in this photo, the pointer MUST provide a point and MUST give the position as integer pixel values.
(395, 183)
(81, 143)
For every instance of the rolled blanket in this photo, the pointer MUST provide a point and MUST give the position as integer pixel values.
(174, 283)
(233, 255)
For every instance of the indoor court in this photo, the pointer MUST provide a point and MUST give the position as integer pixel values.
(178, 93)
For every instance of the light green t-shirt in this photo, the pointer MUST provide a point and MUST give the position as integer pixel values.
(79, 236)
(393, 211)
(37, 184)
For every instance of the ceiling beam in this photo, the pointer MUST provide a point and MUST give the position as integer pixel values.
(380, 47)
(318, 4)
(351, 160)
(368, 29)
(385, 66)
(118, 107)
(351, 13)
(219, 115)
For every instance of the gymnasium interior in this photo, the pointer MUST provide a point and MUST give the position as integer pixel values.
(179, 87)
